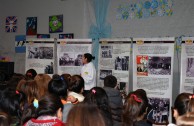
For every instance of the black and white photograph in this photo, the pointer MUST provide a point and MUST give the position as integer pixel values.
(159, 112)
(49, 69)
(78, 60)
(122, 86)
(159, 65)
(190, 67)
(104, 73)
(106, 51)
(122, 63)
(40, 52)
(67, 59)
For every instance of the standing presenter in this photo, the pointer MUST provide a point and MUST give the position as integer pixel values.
(88, 72)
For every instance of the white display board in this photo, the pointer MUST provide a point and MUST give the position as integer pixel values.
(153, 72)
(187, 65)
(114, 58)
(40, 55)
(69, 54)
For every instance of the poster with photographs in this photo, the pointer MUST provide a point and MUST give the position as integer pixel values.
(152, 71)
(114, 55)
(187, 65)
(40, 55)
(69, 54)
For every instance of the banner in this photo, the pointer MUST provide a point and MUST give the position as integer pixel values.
(114, 56)
(40, 55)
(187, 65)
(153, 72)
(69, 54)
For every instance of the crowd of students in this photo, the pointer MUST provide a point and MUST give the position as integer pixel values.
(62, 100)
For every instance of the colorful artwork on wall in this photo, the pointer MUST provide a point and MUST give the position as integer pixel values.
(31, 25)
(66, 36)
(56, 23)
(20, 43)
(145, 9)
(11, 24)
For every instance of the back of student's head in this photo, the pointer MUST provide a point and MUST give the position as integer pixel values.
(14, 80)
(58, 86)
(181, 103)
(110, 81)
(84, 114)
(98, 96)
(5, 119)
(30, 74)
(135, 106)
(29, 88)
(42, 82)
(11, 102)
(89, 57)
(76, 84)
(66, 77)
(48, 105)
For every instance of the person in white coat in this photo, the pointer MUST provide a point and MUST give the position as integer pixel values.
(88, 72)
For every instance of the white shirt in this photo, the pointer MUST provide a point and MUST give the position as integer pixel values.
(88, 72)
(80, 97)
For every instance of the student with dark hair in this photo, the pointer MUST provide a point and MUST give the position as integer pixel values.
(30, 74)
(59, 87)
(115, 98)
(135, 108)
(66, 77)
(48, 111)
(76, 87)
(98, 96)
(84, 114)
(11, 102)
(88, 72)
(181, 106)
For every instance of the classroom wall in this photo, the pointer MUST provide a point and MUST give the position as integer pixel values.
(78, 16)
(72, 10)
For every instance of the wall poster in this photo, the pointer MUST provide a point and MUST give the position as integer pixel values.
(153, 72)
(114, 56)
(187, 65)
(40, 55)
(69, 54)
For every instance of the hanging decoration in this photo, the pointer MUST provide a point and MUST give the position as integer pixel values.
(145, 9)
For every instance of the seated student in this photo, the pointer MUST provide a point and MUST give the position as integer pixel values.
(48, 112)
(98, 96)
(143, 94)
(76, 87)
(59, 87)
(30, 89)
(11, 103)
(115, 98)
(135, 108)
(180, 106)
(186, 118)
(42, 82)
(84, 114)
(66, 77)
(30, 74)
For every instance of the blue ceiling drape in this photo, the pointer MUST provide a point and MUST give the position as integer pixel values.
(101, 29)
